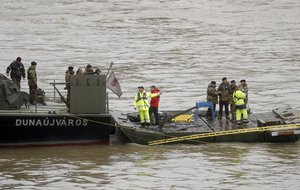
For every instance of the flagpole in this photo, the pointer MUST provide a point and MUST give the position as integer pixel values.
(111, 63)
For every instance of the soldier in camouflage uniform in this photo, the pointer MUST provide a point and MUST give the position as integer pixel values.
(68, 75)
(224, 98)
(89, 70)
(212, 96)
(17, 71)
(232, 88)
(32, 82)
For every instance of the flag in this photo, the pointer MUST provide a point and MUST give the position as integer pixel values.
(113, 84)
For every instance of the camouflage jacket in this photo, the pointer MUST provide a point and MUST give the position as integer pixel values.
(68, 77)
(212, 94)
(224, 92)
(231, 90)
(32, 76)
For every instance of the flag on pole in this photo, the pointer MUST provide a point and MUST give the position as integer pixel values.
(113, 84)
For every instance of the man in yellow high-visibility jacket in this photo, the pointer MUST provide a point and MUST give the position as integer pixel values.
(142, 104)
(239, 100)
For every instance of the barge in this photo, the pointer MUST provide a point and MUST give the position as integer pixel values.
(194, 127)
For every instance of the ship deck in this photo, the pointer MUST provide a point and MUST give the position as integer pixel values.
(130, 126)
(51, 107)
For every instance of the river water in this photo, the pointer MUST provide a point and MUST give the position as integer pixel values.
(179, 45)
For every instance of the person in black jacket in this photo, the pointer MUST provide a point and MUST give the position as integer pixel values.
(17, 71)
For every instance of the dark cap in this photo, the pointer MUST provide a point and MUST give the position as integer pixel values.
(152, 86)
(224, 78)
(213, 82)
(33, 63)
(141, 87)
(70, 68)
(232, 81)
(243, 80)
(18, 59)
(89, 66)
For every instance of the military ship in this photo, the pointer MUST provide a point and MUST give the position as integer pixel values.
(85, 120)
(193, 126)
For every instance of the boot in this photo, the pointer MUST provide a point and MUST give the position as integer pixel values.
(245, 121)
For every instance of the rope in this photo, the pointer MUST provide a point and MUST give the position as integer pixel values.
(122, 126)
(223, 133)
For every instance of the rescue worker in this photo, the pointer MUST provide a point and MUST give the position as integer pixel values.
(89, 70)
(142, 104)
(154, 104)
(232, 88)
(212, 96)
(17, 71)
(244, 87)
(32, 82)
(239, 100)
(68, 75)
(223, 98)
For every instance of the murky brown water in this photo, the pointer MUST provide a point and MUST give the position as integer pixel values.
(178, 45)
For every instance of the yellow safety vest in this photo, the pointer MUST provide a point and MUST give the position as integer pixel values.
(141, 100)
(239, 97)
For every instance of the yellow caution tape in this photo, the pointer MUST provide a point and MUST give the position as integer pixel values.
(223, 133)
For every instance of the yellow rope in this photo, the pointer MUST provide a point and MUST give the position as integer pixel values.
(223, 133)
(121, 126)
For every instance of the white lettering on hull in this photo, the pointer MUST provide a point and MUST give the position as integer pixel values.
(63, 122)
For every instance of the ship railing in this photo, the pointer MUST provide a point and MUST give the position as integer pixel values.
(59, 94)
(52, 95)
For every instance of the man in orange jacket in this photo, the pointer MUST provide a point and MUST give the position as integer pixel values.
(154, 104)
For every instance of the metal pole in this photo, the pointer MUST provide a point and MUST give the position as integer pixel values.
(54, 91)
(107, 103)
(35, 98)
(111, 64)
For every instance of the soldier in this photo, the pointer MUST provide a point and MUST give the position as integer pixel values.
(68, 75)
(224, 98)
(232, 88)
(32, 82)
(89, 70)
(212, 96)
(17, 71)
